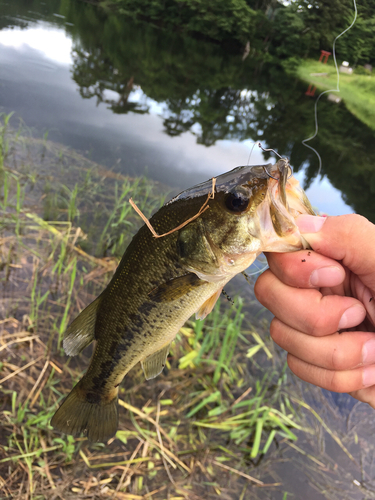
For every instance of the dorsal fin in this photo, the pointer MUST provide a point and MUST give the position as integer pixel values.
(81, 332)
(154, 364)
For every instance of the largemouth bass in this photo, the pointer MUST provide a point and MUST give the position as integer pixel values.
(161, 282)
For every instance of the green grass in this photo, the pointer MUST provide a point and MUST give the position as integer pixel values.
(356, 90)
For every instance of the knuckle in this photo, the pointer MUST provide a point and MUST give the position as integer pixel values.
(353, 222)
(356, 219)
(334, 381)
(349, 222)
(290, 277)
(261, 287)
(338, 360)
(285, 267)
(275, 330)
(321, 318)
(316, 324)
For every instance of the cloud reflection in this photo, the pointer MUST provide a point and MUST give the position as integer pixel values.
(53, 43)
(179, 160)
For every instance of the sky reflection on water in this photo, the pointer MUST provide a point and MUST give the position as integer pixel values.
(36, 84)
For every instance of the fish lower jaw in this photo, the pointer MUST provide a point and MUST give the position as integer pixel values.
(288, 243)
(228, 268)
(277, 230)
(219, 278)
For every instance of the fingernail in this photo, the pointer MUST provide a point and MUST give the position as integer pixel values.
(327, 276)
(368, 376)
(310, 223)
(352, 317)
(368, 352)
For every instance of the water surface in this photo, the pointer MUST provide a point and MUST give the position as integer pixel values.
(150, 103)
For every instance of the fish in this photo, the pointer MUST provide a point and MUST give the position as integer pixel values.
(161, 282)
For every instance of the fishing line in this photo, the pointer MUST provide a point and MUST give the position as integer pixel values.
(247, 275)
(258, 271)
(251, 151)
(337, 89)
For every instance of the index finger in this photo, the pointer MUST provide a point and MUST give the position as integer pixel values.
(307, 311)
(346, 238)
(306, 269)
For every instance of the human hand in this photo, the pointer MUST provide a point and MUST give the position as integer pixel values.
(318, 296)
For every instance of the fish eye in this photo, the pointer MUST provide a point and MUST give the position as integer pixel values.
(237, 201)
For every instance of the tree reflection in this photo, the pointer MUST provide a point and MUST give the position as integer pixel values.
(216, 95)
(96, 75)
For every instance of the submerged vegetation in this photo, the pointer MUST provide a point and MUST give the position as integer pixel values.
(220, 418)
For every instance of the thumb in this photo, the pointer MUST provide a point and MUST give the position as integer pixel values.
(346, 238)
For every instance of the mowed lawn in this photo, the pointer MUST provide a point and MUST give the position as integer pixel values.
(357, 91)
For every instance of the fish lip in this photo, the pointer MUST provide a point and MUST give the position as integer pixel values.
(286, 197)
(287, 194)
(281, 171)
(284, 169)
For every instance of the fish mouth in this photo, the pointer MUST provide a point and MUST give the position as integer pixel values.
(280, 172)
(286, 194)
(285, 201)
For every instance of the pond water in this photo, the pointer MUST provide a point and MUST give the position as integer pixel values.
(178, 110)
(173, 108)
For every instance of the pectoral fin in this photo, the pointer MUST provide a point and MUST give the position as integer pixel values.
(207, 307)
(81, 331)
(176, 288)
(154, 364)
